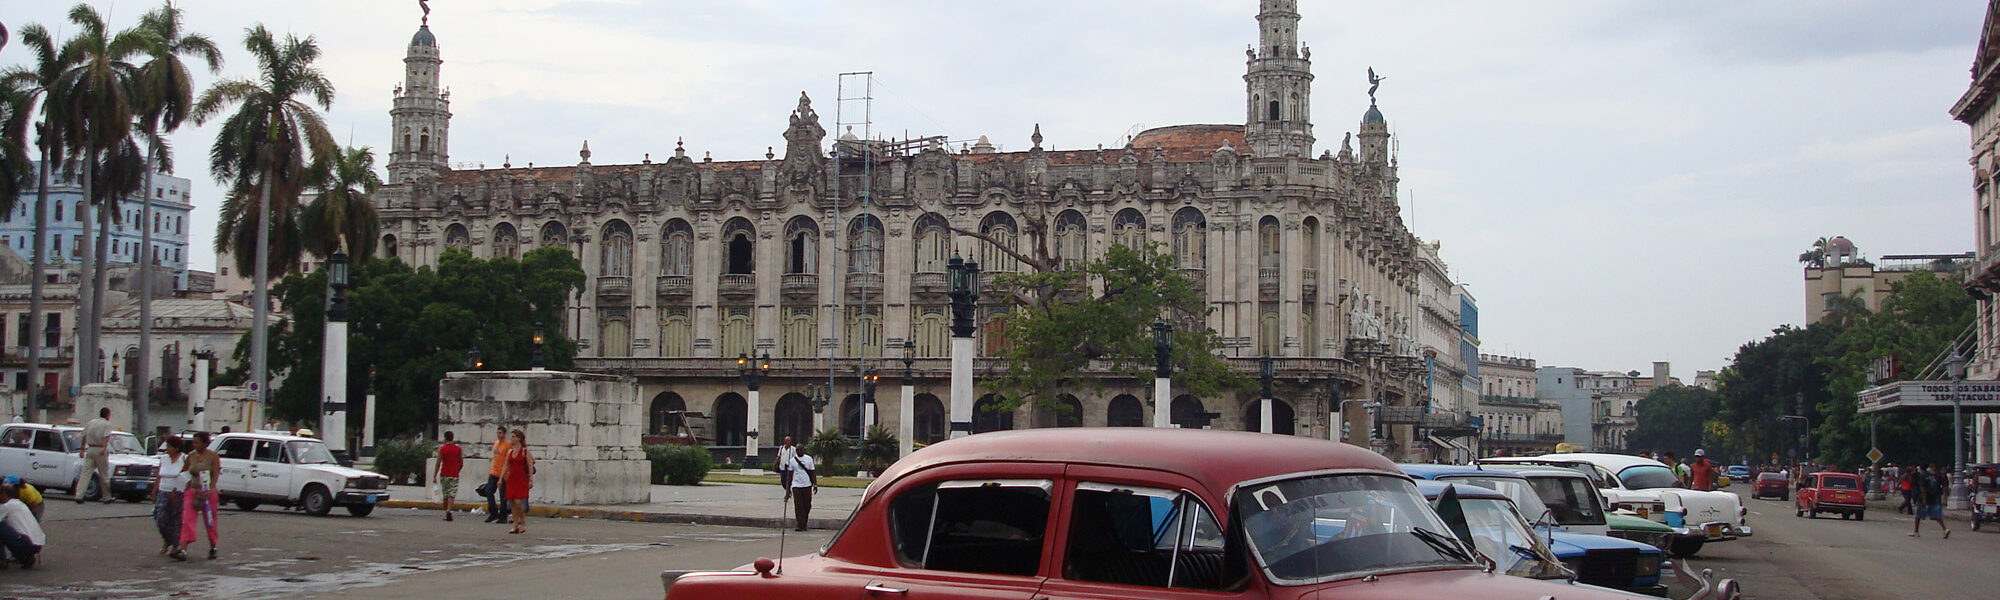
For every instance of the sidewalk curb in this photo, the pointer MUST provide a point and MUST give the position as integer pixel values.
(610, 514)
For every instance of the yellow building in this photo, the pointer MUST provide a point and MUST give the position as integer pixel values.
(1834, 269)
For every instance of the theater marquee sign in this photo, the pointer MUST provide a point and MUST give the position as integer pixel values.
(1930, 396)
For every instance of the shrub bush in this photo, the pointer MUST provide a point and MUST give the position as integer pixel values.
(876, 451)
(679, 465)
(828, 447)
(402, 460)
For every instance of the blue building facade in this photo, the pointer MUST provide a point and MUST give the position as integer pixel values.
(68, 211)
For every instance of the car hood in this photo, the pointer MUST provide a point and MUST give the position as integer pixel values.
(1633, 523)
(1461, 583)
(126, 460)
(339, 471)
(1568, 544)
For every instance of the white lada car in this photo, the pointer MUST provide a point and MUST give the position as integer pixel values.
(1648, 488)
(267, 467)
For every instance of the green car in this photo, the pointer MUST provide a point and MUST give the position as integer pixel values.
(1654, 533)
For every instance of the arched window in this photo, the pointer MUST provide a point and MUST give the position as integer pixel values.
(676, 333)
(792, 417)
(1190, 239)
(1072, 238)
(614, 338)
(677, 249)
(737, 333)
(424, 143)
(731, 419)
(863, 336)
(1187, 412)
(929, 427)
(933, 244)
(406, 139)
(1309, 239)
(1269, 243)
(864, 245)
(554, 234)
(1283, 422)
(1067, 411)
(615, 251)
(79, 211)
(1128, 228)
(1001, 228)
(801, 245)
(850, 415)
(801, 335)
(665, 414)
(1274, 110)
(455, 236)
(506, 241)
(388, 246)
(987, 416)
(932, 332)
(1270, 334)
(739, 240)
(1125, 411)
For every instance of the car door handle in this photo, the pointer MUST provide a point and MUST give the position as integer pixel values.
(876, 588)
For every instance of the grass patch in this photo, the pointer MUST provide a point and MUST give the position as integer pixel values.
(824, 482)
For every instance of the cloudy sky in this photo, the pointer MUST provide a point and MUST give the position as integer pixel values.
(1618, 182)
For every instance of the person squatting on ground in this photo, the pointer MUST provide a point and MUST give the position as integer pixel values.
(169, 481)
(21, 537)
(517, 476)
(199, 500)
(96, 461)
(450, 459)
(27, 494)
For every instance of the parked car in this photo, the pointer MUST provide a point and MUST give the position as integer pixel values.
(1135, 512)
(1573, 501)
(1772, 485)
(1649, 490)
(271, 467)
(1493, 516)
(1737, 472)
(1832, 492)
(49, 457)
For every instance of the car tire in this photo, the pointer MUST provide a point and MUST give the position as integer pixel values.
(1685, 547)
(1860, 515)
(316, 500)
(246, 505)
(1812, 514)
(360, 510)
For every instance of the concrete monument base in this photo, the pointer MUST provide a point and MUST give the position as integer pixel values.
(583, 430)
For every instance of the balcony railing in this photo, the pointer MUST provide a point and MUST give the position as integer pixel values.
(864, 284)
(735, 285)
(1267, 280)
(612, 287)
(800, 285)
(927, 283)
(1309, 280)
(676, 286)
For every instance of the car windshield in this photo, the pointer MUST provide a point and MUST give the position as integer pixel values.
(1570, 500)
(1770, 477)
(1646, 477)
(1324, 527)
(1501, 535)
(1839, 483)
(309, 453)
(123, 443)
(1516, 489)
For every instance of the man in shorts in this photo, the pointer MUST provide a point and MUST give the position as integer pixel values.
(1931, 485)
(450, 458)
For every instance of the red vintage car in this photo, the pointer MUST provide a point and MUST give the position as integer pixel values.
(1077, 513)
(1771, 485)
(1832, 492)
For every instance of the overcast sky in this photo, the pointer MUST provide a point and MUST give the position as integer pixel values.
(1618, 182)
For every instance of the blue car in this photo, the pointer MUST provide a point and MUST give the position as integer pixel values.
(1737, 472)
(1593, 559)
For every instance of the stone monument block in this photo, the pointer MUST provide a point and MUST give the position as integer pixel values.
(581, 428)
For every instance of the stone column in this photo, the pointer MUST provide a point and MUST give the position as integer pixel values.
(706, 280)
(906, 418)
(961, 386)
(333, 385)
(198, 396)
(1163, 402)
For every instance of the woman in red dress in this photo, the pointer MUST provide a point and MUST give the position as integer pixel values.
(518, 473)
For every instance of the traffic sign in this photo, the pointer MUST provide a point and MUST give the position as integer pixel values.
(1875, 455)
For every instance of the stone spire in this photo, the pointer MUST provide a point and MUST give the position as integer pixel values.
(1278, 85)
(420, 118)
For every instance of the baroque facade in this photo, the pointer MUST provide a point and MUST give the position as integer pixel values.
(1978, 109)
(832, 256)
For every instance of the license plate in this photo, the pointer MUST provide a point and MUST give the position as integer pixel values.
(1714, 529)
(144, 484)
(372, 498)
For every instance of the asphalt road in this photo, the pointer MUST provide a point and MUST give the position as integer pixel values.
(110, 551)
(1793, 558)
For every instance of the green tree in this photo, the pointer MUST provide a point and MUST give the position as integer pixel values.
(1920, 317)
(1771, 378)
(411, 326)
(341, 215)
(101, 96)
(261, 149)
(1673, 418)
(39, 81)
(1816, 256)
(1056, 334)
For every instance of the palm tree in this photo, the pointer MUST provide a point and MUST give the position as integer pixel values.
(169, 95)
(342, 216)
(40, 81)
(261, 149)
(101, 98)
(1816, 257)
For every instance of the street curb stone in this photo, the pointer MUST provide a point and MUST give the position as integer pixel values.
(562, 512)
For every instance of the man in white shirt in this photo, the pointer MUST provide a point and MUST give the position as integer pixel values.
(804, 484)
(786, 453)
(96, 463)
(21, 537)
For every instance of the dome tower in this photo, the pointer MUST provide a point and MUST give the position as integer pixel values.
(1278, 85)
(420, 120)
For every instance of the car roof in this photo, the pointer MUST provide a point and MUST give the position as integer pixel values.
(1219, 459)
(59, 428)
(1538, 471)
(1838, 473)
(1424, 471)
(1770, 475)
(1432, 489)
(1614, 462)
(283, 437)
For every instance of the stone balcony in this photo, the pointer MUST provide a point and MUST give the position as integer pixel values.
(800, 285)
(863, 285)
(675, 286)
(928, 283)
(732, 285)
(1309, 280)
(614, 288)
(1267, 281)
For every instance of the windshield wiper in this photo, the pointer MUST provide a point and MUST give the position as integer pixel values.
(1445, 545)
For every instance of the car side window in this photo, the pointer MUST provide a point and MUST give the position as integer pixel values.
(18, 437)
(47, 440)
(269, 451)
(1142, 536)
(983, 526)
(238, 448)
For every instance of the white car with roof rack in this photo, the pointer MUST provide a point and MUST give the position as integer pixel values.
(275, 467)
(49, 457)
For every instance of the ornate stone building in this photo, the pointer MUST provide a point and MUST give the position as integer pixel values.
(833, 257)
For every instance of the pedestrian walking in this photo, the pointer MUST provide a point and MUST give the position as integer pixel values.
(27, 494)
(1908, 484)
(96, 462)
(450, 458)
(169, 480)
(517, 476)
(1931, 486)
(1701, 475)
(199, 501)
(786, 452)
(21, 536)
(805, 484)
(496, 504)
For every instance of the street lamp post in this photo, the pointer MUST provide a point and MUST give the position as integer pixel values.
(198, 395)
(964, 280)
(868, 380)
(753, 374)
(1954, 367)
(1366, 405)
(819, 398)
(906, 412)
(1163, 373)
(473, 360)
(368, 418)
(333, 359)
(1266, 372)
(538, 346)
